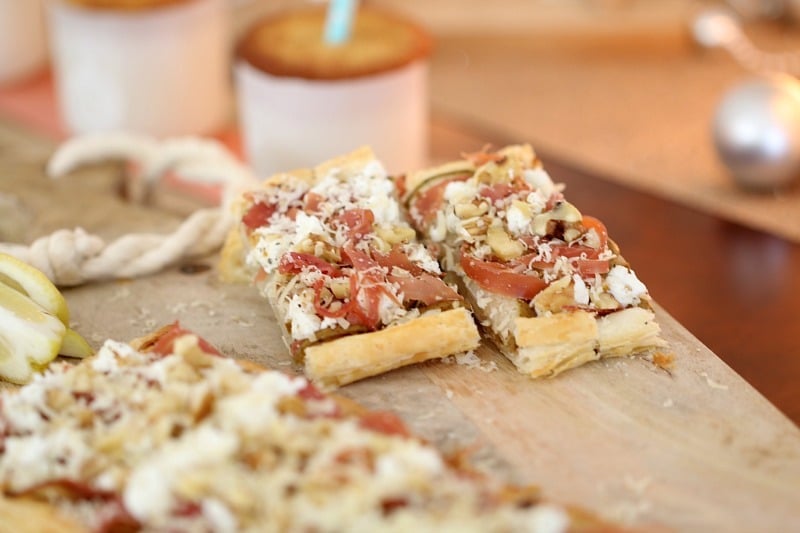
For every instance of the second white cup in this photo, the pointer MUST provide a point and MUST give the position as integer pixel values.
(160, 69)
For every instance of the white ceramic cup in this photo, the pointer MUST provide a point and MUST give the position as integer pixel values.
(290, 123)
(161, 71)
(302, 101)
(23, 49)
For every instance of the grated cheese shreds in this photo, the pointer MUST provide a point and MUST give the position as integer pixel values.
(290, 229)
(194, 442)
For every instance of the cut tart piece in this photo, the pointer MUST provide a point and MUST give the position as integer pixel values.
(353, 289)
(546, 282)
(165, 435)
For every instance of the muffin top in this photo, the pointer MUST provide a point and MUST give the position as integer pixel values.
(125, 5)
(292, 44)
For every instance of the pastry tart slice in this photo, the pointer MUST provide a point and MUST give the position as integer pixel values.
(354, 291)
(546, 281)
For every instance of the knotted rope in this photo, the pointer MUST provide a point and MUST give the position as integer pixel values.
(73, 257)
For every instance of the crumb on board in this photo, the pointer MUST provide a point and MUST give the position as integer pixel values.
(628, 512)
(242, 322)
(712, 383)
(668, 403)
(448, 393)
(664, 361)
(120, 294)
(637, 485)
(178, 308)
(470, 360)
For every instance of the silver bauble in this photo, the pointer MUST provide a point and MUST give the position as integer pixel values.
(757, 132)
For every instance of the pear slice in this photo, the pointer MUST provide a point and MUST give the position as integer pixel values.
(30, 337)
(73, 345)
(34, 284)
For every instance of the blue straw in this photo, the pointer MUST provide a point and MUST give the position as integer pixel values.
(339, 21)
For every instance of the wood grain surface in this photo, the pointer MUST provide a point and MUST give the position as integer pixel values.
(694, 448)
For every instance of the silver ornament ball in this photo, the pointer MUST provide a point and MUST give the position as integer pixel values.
(757, 132)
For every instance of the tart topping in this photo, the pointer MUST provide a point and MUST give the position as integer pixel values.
(517, 234)
(342, 236)
(178, 439)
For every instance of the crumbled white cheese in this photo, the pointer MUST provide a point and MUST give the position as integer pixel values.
(580, 291)
(149, 493)
(274, 243)
(407, 461)
(591, 239)
(457, 192)
(548, 519)
(307, 225)
(23, 458)
(254, 409)
(538, 201)
(23, 410)
(384, 207)
(420, 255)
(447, 220)
(388, 308)
(219, 516)
(438, 230)
(624, 286)
(540, 179)
(302, 317)
(502, 312)
(331, 323)
(518, 221)
(374, 168)
(561, 267)
(368, 189)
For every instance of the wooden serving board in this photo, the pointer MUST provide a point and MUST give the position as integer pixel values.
(695, 448)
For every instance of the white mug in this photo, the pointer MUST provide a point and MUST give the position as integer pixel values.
(161, 71)
(302, 101)
(290, 123)
(23, 49)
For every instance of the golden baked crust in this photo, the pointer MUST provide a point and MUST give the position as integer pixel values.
(291, 44)
(126, 5)
(30, 516)
(432, 335)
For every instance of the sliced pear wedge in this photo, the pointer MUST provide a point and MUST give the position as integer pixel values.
(34, 284)
(30, 337)
(34, 322)
(73, 345)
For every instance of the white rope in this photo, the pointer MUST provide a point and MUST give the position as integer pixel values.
(74, 257)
